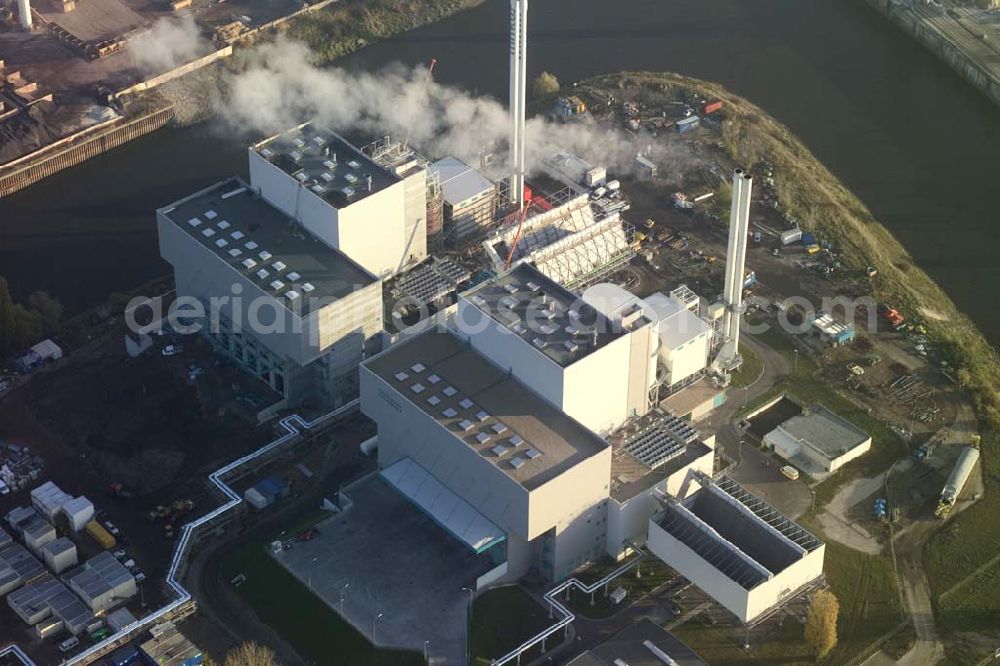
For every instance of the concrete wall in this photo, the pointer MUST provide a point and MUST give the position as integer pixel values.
(686, 360)
(371, 230)
(948, 51)
(745, 604)
(510, 352)
(596, 388)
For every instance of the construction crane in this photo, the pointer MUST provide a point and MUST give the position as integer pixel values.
(427, 83)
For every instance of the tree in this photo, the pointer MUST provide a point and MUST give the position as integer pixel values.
(251, 654)
(821, 623)
(19, 327)
(48, 309)
(545, 84)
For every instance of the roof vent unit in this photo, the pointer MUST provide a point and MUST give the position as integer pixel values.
(418, 388)
(482, 438)
(519, 328)
(318, 140)
(549, 329)
(236, 235)
(295, 155)
(224, 225)
(531, 454)
(250, 245)
(210, 215)
(248, 263)
(347, 191)
(449, 413)
(327, 176)
(499, 428)
(277, 285)
(509, 301)
(235, 252)
(293, 276)
(418, 367)
(299, 142)
(264, 255)
(208, 233)
(262, 273)
(331, 163)
(479, 300)
(539, 342)
(534, 287)
(510, 288)
(482, 416)
(517, 462)
(308, 287)
(350, 178)
(571, 346)
(354, 164)
(449, 391)
(433, 400)
(302, 176)
(516, 441)
(278, 266)
(267, 152)
(194, 221)
(318, 189)
(465, 403)
(222, 242)
(499, 450)
(433, 379)
(291, 294)
(401, 376)
(466, 425)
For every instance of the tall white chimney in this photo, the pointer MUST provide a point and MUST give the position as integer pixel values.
(736, 257)
(24, 13)
(518, 92)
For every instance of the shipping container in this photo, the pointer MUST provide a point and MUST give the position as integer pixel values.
(688, 124)
(791, 236)
(255, 499)
(595, 177)
(100, 535)
(712, 106)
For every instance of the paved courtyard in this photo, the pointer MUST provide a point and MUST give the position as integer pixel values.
(384, 556)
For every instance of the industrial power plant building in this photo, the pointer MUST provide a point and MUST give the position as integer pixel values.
(320, 311)
(818, 441)
(342, 197)
(526, 430)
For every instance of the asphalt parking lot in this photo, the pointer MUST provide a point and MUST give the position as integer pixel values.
(396, 572)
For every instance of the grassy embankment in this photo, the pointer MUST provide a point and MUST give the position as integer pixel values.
(346, 26)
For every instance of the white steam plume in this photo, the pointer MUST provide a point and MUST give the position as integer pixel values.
(281, 88)
(170, 42)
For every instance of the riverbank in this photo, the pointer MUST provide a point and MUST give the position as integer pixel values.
(960, 554)
(956, 35)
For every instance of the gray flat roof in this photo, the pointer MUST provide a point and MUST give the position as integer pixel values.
(98, 575)
(828, 433)
(629, 646)
(554, 320)
(37, 527)
(5, 538)
(631, 474)
(59, 546)
(266, 246)
(16, 563)
(486, 408)
(326, 163)
(49, 592)
(459, 181)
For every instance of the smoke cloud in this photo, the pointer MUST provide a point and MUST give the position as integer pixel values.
(169, 43)
(281, 87)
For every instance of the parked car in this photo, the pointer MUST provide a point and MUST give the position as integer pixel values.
(172, 350)
(790, 472)
(69, 644)
(110, 527)
(119, 555)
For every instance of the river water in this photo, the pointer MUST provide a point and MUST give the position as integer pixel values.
(913, 141)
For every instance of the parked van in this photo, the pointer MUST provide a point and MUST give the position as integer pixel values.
(69, 644)
(790, 472)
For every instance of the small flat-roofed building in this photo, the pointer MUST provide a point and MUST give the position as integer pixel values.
(46, 597)
(343, 198)
(597, 371)
(643, 644)
(119, 618)
(18, 516)
(169, 647)
(695, 401)
(832, 331)
(288, 308)
(460, 428)
(102, 582)
(736, 548)
(37, 532)
(17, 567)
(59, 554)
(470, 199)
(818, 441)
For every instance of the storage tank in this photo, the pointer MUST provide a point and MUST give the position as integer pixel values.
(960, 475)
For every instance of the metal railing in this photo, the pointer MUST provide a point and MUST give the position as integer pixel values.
(293, 426)
(551, 597)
